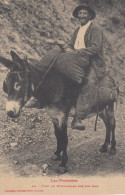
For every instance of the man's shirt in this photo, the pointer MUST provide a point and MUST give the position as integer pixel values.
(80, 43)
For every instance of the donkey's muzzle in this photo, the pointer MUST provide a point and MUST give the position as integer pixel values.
(11, 114)
(13, 109)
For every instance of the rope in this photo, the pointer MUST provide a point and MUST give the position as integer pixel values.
(96, 120)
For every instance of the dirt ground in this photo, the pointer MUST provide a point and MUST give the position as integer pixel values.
(27, 144)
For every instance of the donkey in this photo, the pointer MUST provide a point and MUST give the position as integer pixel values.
(58, 94)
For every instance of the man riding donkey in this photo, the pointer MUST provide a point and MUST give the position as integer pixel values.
(88, 42)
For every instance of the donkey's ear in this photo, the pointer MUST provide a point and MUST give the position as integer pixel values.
(15, 56)
(5, 87)
(6, 62)
(16, 59)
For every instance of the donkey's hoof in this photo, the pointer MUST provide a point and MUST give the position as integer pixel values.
(62, 170)
(56, 157)
(112, 151)
(103, 149)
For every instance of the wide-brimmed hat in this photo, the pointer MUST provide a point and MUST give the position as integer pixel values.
(85, 7)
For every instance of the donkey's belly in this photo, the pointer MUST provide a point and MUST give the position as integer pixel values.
(92, 113)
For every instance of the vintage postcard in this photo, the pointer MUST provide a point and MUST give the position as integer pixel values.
(62, 88)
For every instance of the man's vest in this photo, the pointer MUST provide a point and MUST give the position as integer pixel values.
(94, 42)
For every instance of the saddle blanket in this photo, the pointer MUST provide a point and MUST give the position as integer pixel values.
(71, 64)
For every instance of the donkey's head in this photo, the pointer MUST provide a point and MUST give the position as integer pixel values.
(17, 84)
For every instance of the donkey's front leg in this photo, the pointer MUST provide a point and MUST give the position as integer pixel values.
(56, 156)
(62, 142)
(60, 124)
(62, 146)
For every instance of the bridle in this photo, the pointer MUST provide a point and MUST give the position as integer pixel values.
(28, 88)
(28, 84)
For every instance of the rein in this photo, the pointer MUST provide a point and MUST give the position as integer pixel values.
(28, 87)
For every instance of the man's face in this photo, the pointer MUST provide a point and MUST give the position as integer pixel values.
(83, 16)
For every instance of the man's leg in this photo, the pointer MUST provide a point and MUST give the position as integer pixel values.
(87, 98)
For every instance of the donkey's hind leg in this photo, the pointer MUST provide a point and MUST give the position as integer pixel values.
(109, 119)
(112, 125)
(104, 117)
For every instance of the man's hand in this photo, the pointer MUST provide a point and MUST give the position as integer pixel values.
(61, 44)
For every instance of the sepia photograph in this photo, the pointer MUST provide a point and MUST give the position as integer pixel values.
(62, 90)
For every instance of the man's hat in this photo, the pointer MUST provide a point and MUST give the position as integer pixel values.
(85, 7)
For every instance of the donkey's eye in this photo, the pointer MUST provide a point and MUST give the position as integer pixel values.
(17, 86)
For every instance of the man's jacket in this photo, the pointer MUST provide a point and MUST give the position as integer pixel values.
(94, 42)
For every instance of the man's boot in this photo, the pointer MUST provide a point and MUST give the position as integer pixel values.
(77, 124)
